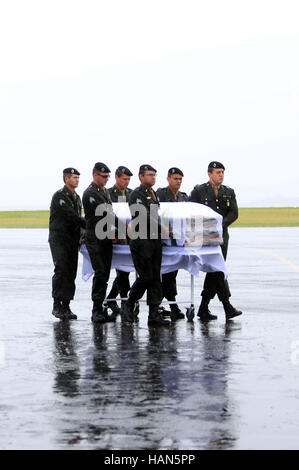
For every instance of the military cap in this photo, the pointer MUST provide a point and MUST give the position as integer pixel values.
(123, 170)
(70, 171)
(214, 165)
(175, 171)
(144, 168)
(101, 167)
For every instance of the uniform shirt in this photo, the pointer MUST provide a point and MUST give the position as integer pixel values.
(166, 195)
(92, 197)
(146, 197)
(224, 203)
(65, 216)
(116, 194)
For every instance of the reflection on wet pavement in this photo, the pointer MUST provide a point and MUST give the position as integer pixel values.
(75, 385)
(144, 388)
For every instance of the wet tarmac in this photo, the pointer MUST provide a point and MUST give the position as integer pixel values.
(220, 385)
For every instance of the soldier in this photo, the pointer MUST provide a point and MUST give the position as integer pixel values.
(146, 249)
(120, 193)
(64, 236)
(221, 199)
(99, 246)
(172, 194)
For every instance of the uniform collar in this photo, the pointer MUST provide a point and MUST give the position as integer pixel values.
(95, 186)
(149, 191)
(116, 189)
(145, 189)
(175, 196)
(69, 192)
(212, 186)
(209, 185)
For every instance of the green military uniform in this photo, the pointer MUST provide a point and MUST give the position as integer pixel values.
(222, 200)
(224, 203)
(169, 284)
(121, 284)
(147, 255)
(117, 195)
(166, 195)
(64, 235)
(100, 250)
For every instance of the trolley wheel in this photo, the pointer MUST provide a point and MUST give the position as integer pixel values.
(190, 313)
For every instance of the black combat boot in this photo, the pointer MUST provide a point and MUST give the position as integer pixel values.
(230, 311)
(66, 311)
(164, 312)
(112, 317)
(127, 312)
(56, 308)
(155, 317)
(114, 307)
(98, 316)
(176, 313)
(203, 312)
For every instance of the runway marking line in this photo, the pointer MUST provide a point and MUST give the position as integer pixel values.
(280, 258)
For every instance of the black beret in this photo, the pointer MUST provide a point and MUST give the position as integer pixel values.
(123, 170)
(214, 165)
(144, 168)
(101, 167)
(70, 171)
(175, 171)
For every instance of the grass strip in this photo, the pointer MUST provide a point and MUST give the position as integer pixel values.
(268, 217)
(248, 217)
(24, 219)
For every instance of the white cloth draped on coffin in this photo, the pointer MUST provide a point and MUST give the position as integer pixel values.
(193, 260)
(191, 224)
(197, 232)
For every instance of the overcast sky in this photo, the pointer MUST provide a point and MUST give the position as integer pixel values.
(170, 83)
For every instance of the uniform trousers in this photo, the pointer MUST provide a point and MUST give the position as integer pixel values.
(215, 282)
(65, 259)
(147, 259)
(100, 253)
(121, 285)
(169, 285)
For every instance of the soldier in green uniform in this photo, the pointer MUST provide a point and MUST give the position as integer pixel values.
(172, 194)
(96, 197)
(120, 193)
(221, 199)
(146, 248)
(64, 236)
